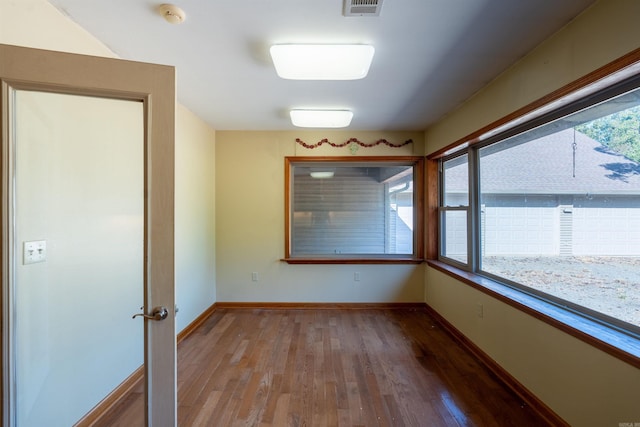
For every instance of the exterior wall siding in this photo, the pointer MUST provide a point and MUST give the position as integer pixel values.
(535, 226)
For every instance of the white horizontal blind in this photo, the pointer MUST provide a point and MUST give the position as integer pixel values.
(339, 215)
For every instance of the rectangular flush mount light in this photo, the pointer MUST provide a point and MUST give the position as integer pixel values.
(322, 62)
(321, 118)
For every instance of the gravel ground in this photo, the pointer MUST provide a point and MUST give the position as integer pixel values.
(610, 285)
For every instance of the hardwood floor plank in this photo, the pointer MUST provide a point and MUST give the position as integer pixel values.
(204, 415)
(396, 418)
(271, 401)
(326, 368)
(281, 413)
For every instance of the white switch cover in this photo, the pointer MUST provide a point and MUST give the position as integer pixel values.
(35, 251)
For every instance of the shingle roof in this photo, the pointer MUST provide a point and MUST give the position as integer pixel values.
(546, 166)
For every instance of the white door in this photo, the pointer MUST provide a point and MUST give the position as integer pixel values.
(87, 236)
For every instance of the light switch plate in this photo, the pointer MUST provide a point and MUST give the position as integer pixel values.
(35, 251)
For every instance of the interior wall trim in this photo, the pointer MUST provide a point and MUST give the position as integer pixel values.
(528, 398)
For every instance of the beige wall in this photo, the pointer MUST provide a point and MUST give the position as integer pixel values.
(195, 217)
(583, 385)
(250, 224)
(37, 24)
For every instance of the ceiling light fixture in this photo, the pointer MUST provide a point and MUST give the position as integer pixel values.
(321, 174)
(172, 14)
(321, 118)
(322, 62)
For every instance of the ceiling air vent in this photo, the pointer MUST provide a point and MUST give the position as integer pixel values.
(362, 7)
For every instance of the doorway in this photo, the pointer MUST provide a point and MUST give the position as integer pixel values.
(87, 234)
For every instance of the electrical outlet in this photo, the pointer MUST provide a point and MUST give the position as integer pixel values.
(254, 276)
(35, 251)
(356, 276)
(480, 310)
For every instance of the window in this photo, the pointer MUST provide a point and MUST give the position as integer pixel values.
(455, 210)
(354, 209)
(551, 207)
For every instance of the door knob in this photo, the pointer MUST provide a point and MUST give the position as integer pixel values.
(159, 313)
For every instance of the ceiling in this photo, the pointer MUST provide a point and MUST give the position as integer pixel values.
(431, 55)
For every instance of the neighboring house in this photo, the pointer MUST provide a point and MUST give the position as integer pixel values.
(536, 200)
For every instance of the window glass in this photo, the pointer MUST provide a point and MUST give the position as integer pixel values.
(455, 235)
(456, 181)
(560, 209)
(356, 208)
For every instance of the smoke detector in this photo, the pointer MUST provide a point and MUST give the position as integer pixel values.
(172, 14)
(362, 7)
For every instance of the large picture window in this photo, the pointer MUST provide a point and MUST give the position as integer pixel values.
(365, 209)
(552, 208)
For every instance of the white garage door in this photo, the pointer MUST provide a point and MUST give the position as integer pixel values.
(606, 231)
(520, 231)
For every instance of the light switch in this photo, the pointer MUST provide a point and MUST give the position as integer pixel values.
(35, 251)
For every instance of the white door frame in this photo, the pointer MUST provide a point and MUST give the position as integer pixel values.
(154, 85)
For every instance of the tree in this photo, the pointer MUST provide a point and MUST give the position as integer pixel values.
(620, 132)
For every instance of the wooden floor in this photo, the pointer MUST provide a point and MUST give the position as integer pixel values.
(373, 367)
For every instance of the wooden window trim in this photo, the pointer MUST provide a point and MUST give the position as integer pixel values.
(419, 231)
(618, 344)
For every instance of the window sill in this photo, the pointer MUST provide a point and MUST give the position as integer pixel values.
(618, 344)
(353, 260)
